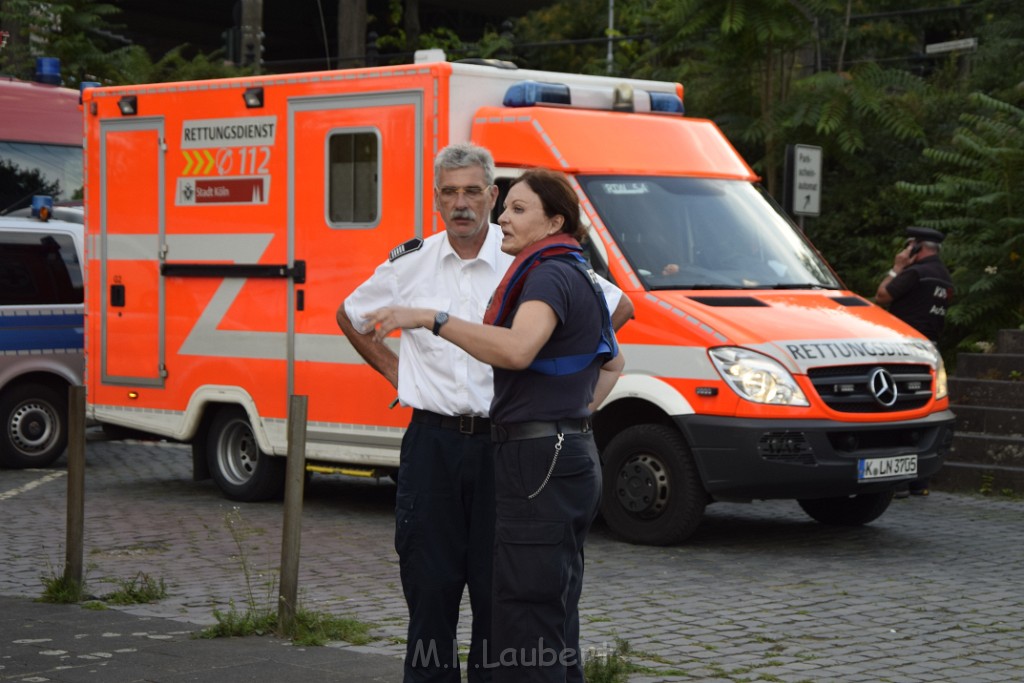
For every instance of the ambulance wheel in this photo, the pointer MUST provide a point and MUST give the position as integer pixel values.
(240, 469)
(848, 510)
(652, 490)
(35, 426)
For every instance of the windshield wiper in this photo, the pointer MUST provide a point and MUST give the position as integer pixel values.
(801, 285)
(700, 287)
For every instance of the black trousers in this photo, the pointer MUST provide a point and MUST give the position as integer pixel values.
(444, 535)
(538, 561)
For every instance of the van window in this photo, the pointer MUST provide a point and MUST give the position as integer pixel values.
(39, 269)
(353, 172)
(705, 233)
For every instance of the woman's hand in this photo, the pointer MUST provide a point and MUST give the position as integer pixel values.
(387, 320)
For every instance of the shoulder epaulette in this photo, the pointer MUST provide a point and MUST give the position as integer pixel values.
(405, 248)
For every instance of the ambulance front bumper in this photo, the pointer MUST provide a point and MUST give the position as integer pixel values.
(747, 459)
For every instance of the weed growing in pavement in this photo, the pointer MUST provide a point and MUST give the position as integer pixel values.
(604, 665)
(138, 590)
(258, 618)
(62, 589)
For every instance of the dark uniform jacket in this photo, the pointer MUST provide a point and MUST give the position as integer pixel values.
(921, 293)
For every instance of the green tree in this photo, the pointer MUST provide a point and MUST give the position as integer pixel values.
(80, 35)
(977, 199)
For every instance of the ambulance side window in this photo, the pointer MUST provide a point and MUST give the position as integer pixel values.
(353, 174)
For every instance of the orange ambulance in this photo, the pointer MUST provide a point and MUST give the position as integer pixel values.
(226, 220)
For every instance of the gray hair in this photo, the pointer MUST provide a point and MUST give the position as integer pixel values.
(465, 155)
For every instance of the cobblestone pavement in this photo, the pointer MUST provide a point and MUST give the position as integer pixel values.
(932, 591)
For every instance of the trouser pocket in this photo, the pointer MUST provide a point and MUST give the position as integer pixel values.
(530, 562)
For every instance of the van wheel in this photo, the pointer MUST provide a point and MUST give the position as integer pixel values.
(238, 466)
(35, 419)
(652, 492)
(847, 510)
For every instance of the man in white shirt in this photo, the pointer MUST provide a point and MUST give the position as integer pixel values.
(445, 503)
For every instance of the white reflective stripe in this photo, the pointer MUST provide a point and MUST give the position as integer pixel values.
(673, 362)
(689, 318)
(652, 390)
(234, 248)
(132, 247)
(332, 348)
(238, 248)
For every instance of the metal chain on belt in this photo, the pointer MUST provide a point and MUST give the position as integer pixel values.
(558, 448)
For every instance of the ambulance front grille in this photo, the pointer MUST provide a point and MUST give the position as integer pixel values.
(848, 388)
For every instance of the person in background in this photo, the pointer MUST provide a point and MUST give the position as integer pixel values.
(918, 290)
(444, 513)
(548, 335)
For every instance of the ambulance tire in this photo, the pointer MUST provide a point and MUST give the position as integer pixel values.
(35, 425)
(652, 493)
(847, 510)
(240, 469)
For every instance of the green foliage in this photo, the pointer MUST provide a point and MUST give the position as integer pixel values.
(259, 618)
(79, 34)
(608, 665)
(314, 628)
(253, 621)
(140, 589)
(977, 198)
(62, 590)
(308, 629)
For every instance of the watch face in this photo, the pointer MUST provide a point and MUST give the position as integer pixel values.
(440, 318)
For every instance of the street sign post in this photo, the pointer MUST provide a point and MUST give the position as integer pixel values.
(806, 180)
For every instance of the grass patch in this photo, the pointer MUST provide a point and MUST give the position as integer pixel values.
(259, 619)
(609, 665)
(62, 590)
(140, 590)
(309, 628)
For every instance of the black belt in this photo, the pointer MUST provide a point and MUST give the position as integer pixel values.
(464, 424)
(517, 431)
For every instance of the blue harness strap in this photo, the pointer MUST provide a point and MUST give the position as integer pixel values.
(607, 346)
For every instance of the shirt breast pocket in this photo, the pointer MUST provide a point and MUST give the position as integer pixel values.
(434, 345)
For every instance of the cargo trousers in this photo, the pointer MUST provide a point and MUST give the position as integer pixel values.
(543, 516)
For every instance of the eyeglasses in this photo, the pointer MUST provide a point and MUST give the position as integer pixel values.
(470, 191)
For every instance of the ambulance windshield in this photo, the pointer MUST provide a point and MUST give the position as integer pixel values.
(700, 233)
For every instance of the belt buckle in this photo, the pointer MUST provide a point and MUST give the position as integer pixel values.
(463, 429)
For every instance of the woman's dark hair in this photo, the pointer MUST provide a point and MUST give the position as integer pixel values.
(557, 198)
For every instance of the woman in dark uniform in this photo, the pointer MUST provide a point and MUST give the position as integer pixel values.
(548, 335)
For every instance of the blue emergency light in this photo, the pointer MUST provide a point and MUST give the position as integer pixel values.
(42, 206)
(534, 93)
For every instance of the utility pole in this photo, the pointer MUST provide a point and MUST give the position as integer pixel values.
(611, 36)
(252, 34)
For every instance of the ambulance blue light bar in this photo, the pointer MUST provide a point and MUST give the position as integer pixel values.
(531, 93)
(622, 98)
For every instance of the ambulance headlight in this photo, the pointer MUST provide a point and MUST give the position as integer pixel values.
(756, 377)
(941, 381)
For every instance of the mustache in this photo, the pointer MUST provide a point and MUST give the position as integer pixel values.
(468, 214)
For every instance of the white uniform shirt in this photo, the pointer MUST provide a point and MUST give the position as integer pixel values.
(434, 374)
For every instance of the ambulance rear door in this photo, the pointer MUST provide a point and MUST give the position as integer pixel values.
(356, 177)
(131, 232)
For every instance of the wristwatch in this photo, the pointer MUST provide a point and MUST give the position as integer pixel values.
(440, 318)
